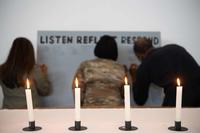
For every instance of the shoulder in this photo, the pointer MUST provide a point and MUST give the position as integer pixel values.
(165, 51)
(110, 64)
(85, 63)
(36, 69)
(36, 72)
(98, 62)
(173, 47)
(101, 64)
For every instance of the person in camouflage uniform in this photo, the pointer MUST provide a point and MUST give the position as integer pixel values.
(101, 80)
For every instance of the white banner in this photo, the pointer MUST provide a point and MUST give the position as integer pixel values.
(63, 51)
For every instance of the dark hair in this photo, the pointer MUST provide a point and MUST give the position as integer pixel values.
(142, 44)
(106, 48)
(19, 63)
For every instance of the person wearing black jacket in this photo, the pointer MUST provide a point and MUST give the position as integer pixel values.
(162, 66)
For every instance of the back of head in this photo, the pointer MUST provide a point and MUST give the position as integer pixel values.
(142, 45)
(20, 61)
(106, 48)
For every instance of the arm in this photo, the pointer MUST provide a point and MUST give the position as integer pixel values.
(141, 85)
(132, 70)
(41, 80)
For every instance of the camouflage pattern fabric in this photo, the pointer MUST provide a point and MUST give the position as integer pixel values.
(101, 82)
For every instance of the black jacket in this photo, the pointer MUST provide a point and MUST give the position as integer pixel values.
(162, 66)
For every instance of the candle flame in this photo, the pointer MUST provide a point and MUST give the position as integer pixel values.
(76, 82)
(178, 82)
(126, 80)
(27, 84)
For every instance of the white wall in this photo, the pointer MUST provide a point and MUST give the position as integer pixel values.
(177, 20)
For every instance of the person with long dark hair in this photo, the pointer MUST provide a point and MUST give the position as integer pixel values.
(19, 66)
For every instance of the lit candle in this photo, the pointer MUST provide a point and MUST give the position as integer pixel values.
(77, 101)
(127, 100)
(29, 101)
(178, 100)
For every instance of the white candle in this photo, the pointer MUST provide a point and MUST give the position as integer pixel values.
(127, 100)
(29, 101)
(77, 101)
(178, 100)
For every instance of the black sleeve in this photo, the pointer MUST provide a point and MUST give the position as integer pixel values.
(141, 85)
